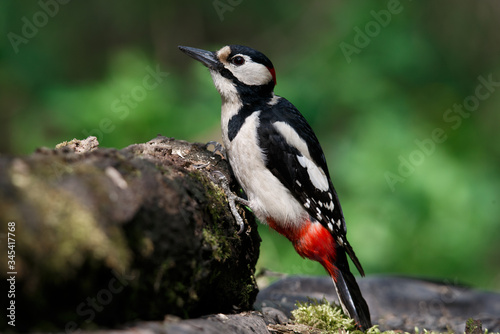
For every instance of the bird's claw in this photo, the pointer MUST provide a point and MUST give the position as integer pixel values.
(217, 148)
(201, 166)
(232, 199)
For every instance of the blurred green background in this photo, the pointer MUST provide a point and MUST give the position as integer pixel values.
(404, 97)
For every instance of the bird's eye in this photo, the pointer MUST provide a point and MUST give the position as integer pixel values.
(238, 60)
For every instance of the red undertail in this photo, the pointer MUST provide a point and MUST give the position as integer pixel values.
(313, 241)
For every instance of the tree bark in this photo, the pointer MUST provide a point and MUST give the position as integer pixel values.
(106, 236)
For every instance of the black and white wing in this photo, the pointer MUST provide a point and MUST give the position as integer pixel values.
(294, 156)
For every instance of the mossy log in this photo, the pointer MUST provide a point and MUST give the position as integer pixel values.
(106, 236)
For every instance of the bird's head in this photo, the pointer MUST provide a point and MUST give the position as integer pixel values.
(238, 71)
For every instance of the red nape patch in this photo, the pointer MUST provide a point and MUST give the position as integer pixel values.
(311, 240)
(273, 73)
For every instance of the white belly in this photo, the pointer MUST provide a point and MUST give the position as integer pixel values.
(267, 196)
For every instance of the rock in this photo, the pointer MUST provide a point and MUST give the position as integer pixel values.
(397, 303)
(273, 316)
(248, 322)
(242, 323)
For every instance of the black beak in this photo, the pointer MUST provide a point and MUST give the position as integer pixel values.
(207, 58)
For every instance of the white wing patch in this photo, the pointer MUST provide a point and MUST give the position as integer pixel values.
(316, 174)
(292, 138)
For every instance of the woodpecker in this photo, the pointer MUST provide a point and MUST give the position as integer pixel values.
(278, 161)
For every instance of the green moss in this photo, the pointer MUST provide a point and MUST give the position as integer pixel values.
(215, 196)
(473, 326)
(69, 228)
(329, 318)
(248, 293)
(323, 315)
(213, 235)
(218, 243)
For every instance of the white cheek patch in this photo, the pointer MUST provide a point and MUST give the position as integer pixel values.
(250, 73)
(316, 174)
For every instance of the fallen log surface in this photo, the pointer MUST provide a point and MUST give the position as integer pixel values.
(106, 236)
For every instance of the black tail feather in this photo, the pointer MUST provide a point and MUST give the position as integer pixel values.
(350, 296)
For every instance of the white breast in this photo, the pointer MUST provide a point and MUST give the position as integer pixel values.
(267, 196)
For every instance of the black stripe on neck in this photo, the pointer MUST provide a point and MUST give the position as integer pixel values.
(249, 107)
(236, 122)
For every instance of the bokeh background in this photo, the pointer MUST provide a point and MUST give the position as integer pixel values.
(404, 96)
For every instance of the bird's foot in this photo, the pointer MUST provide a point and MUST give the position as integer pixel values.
(217, 148)
(232, 199)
